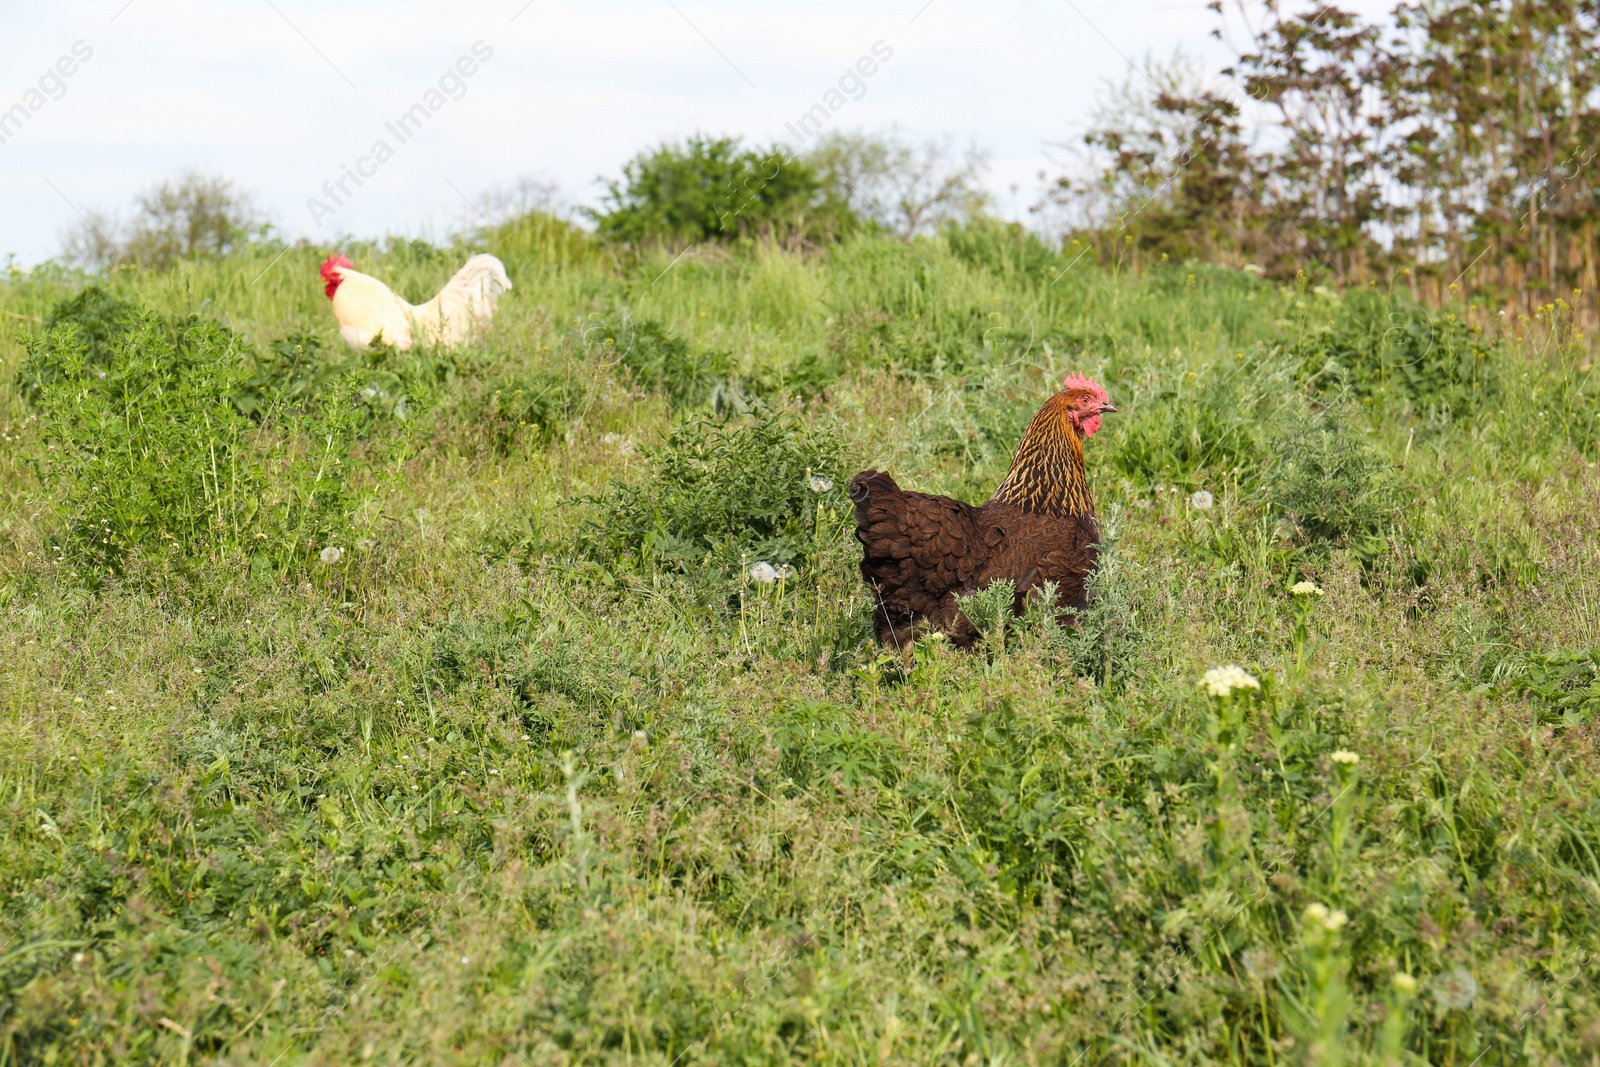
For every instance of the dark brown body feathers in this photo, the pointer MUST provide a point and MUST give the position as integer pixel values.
(921, 551)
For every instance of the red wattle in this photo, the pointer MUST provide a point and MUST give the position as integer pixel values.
(328, 275)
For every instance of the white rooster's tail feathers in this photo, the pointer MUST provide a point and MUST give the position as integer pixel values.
(465, 305)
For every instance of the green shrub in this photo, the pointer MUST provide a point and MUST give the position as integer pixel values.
(294, 370)
(1332, 486)
(714, 190)
(1401, 353)
(1564, 684)
(658, 359)
(1181, 427)
(97, 318)
(149, 452)
(535, 406)
(720, 491)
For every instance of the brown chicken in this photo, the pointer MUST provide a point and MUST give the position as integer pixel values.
(921, 551)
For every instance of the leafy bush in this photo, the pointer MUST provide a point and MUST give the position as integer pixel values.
(97, 318)
(1563, 683)
(1182, 426)
(295, 369)
(711, 190)
(657, 358)
(718, 491)
(536, 405)
(151, 452)
(1333, 487)
(1401, 352)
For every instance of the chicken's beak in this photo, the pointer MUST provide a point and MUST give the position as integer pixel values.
(1108, 408)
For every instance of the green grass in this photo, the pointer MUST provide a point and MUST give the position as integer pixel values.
(482, 791)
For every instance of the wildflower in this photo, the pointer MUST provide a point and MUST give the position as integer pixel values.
(1345, 756)
(1403, 983)
(1305, 589)
(785, 572)
(1225, 681)
(1319, 915)
(1455, 989)
(763, 572)
(331, 555)
(366, 544)
(819, 484)
(1202, 500)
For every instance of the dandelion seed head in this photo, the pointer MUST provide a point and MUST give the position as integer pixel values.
(763, 572)
(331, 555)
(1202, 500)
(1455, 989)
(819, 484)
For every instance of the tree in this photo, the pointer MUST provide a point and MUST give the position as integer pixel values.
(909, 188)
(715, 190)
(1170, 173)
(190, 216)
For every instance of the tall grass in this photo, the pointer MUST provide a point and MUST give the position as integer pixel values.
(480, 791)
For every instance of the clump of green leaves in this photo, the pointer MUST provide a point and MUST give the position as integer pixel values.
(659, 359)
(294, 370)
(148, 452)
(1180, 427)
(990, 609)
(721, 490)
(1401, 353)
(1563, 683)
(96, 318)
(1332, 486)
(534, 406)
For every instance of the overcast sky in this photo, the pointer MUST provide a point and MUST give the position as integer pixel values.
(281, 95)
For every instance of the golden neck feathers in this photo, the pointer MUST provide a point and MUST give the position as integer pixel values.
(1047, 474)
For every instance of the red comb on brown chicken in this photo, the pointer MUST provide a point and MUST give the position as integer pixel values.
(920, 551)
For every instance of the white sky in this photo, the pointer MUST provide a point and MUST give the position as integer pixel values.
(279, 94)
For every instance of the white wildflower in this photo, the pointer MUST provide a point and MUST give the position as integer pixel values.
(1320, 915)
(763, 572)
(1224, 681)
(1202, 500)
(785, 572)
(1306, 589)
(819, 484)
(1346, 757)
(331, 555)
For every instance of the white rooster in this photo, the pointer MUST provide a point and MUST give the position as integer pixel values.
(366, 308)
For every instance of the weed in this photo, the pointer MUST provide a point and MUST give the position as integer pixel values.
(718, 492)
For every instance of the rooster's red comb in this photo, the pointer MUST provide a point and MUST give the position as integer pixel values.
(335, 260)
(1077, 381)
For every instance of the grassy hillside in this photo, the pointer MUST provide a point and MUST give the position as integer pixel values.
(347, 728)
